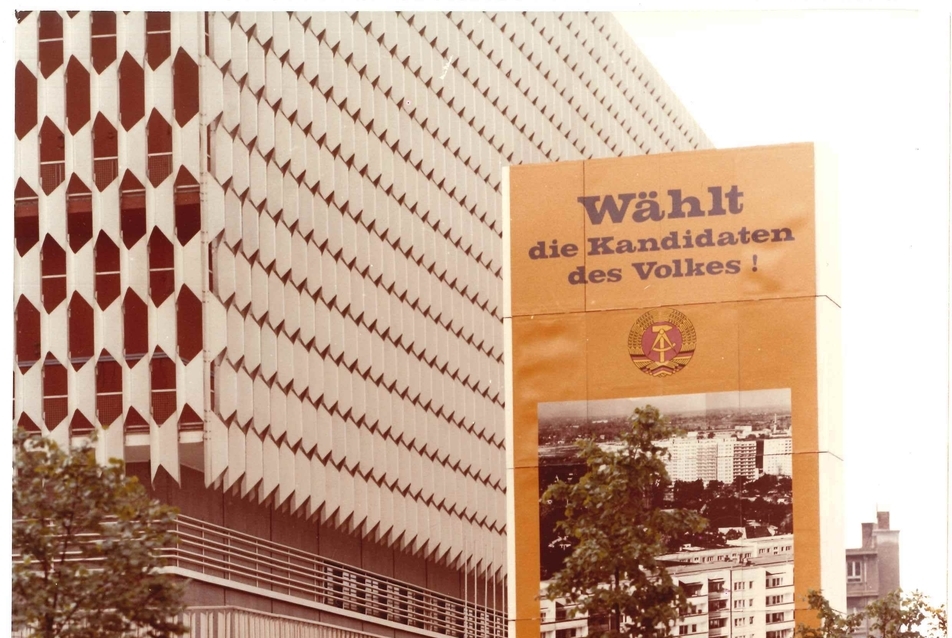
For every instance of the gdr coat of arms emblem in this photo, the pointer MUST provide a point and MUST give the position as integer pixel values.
(661, 342)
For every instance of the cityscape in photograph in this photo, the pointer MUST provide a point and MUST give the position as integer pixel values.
(733, 466)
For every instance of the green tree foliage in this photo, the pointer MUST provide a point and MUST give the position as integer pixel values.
(832, 624)
(899, 615)
(86, 540)
(616, 517)
(895, 615)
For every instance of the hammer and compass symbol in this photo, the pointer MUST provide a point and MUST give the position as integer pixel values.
(661, 342)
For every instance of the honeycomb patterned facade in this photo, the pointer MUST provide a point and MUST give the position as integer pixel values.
(267, 246)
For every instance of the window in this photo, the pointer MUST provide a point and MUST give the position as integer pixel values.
(854, 570)
(717, 605)
(159, 143)
(108, 389)
(740, 585)
(55, 400)
(163, 386)
(212, 250)
(79, 214)
(740, 604)
(135, 328)
(26, 221)
(131, 92)
(52, 156)
(188, 214)
(81, 328)
(740, 622)
(79, 425)
(188, 309)
(189, 420)
(134, 423)
(77, 94)
(213, 385)
(775, 600)
(105, 152)
(161, 267)
(692, 589)
(25, 114)
(131, 210)
(27, 319)
(50, 42)
(780, 633)
(717, 623)
(184, 87)
(53, 274)
(103, 39)
(715, 586)
(374, 586)
(106, 258)
(775, 617)
(158, 37)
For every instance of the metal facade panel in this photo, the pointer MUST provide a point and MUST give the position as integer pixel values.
(352, 205)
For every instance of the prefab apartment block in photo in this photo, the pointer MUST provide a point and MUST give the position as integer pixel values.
(261, 255)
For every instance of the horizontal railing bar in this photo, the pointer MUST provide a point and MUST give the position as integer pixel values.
(217, 551)
(271, 546)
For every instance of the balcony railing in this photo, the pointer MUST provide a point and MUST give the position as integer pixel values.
(163, 404)
(105, 170)
(777, 621)
(223, 553)
(52, 175)
(254, 564)
(159, 167)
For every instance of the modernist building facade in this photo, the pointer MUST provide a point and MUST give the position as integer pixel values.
(744, 590)
(260, 255)
(872, 570)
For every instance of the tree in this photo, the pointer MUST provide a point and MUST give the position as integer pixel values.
(895, 615)
(899, 615)
(86, 540)
(614, 514)
(832, 624)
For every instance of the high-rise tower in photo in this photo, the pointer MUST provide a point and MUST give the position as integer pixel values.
(261, 253)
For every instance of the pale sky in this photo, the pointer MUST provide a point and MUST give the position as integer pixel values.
(874, 85)
(670, 404)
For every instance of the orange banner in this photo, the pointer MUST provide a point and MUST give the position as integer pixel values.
(700, 284)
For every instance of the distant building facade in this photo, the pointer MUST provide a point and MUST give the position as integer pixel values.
(872, 570)
(723, 457)
(260, 254)
(742, 591)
